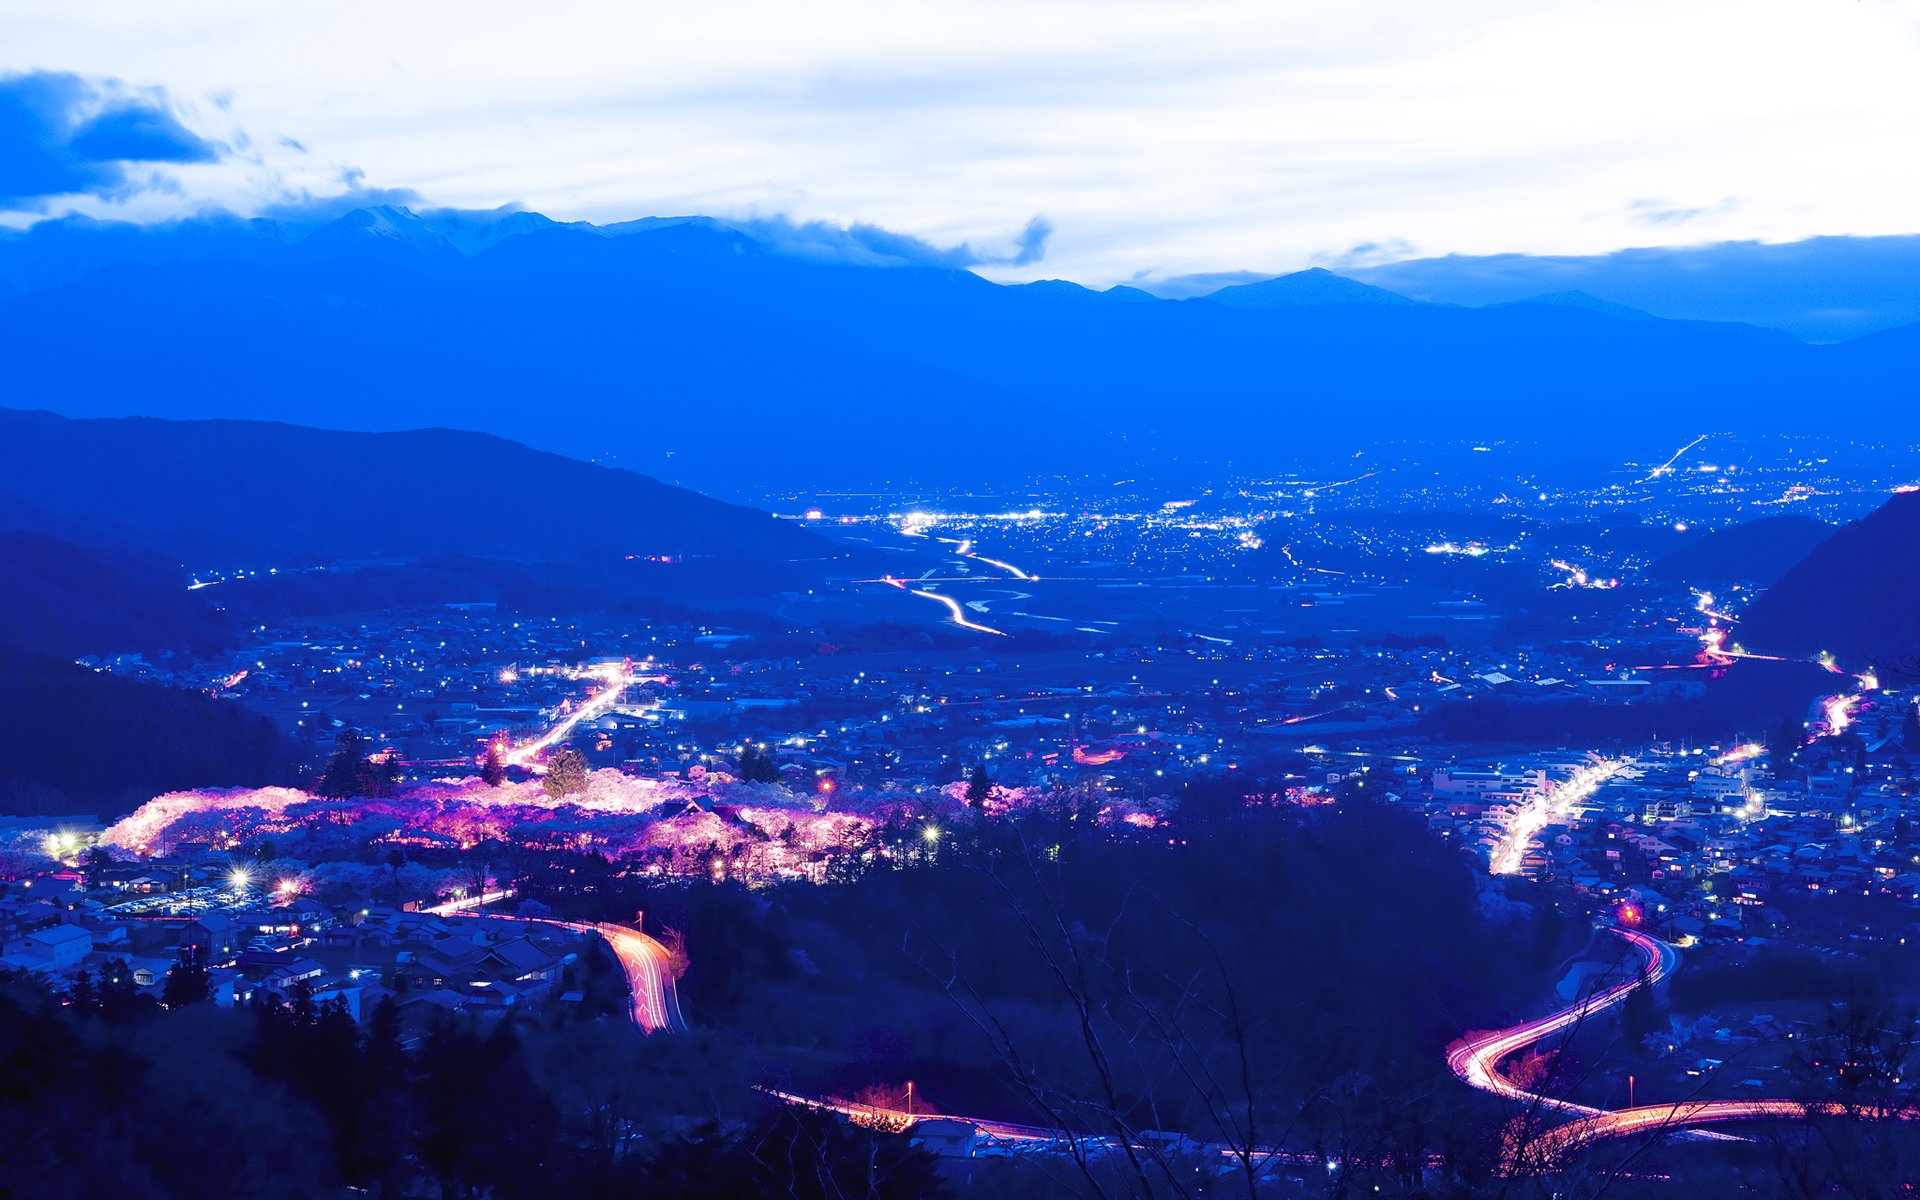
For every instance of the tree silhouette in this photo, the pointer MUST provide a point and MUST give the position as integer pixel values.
(980, 786)
(187, 980)
(352, 772)
(566, 773)
(756, 766)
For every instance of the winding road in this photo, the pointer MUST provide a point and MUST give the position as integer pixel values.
(1476, 1060)
(654, 1004)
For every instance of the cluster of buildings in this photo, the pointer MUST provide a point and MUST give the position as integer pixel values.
(135, 922)
(1739, 844)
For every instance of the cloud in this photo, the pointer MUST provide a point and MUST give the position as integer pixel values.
(304, 208)
(1365, 254)
(871, 246)
(1200, 283)
(1659, 212)
(63, 135)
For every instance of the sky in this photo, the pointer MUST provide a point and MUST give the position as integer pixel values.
(1152, 139)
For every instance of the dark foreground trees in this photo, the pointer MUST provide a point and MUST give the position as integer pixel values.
(300, 1101)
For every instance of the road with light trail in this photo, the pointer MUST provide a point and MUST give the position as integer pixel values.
(654, 1003)
(1536, 814)
(618, 679)
(1476, 1058)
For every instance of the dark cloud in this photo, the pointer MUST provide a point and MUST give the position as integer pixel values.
(61, 135)
(872, 246)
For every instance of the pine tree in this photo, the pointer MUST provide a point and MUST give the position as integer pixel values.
(187, 980)
(347, 772)
(757, 766)
(566, 773)
(980, 787)
(493, 771)
(383, 774)
(1640, 1016)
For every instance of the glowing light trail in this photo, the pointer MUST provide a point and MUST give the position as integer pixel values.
(1666, 468)
(619, 678)
(655, 1006)
(958, 613)
(1577, 577)
(1536, 814)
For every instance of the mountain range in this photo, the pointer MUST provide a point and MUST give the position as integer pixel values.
(709, 355)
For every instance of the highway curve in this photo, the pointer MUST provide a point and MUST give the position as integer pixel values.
(655, 1003)
(1476, 1060)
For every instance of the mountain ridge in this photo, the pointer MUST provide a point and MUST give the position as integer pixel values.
(689, 349)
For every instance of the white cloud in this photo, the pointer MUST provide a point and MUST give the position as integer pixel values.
(1166, 138)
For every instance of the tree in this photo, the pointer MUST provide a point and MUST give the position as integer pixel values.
(493, 772)
(980, 786)
(348, 771)
(1640, 1016)
(187, 980)
(756, 766)
(566, 773)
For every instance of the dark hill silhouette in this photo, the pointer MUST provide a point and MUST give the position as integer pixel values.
(74, 740)
(1857, 594)
(61, 598)
(1751, 552)
(213, 493)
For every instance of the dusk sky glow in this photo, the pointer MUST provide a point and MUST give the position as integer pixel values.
(1195, 138)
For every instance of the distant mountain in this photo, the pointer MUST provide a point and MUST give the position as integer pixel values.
(1753, 552)
(1302, 289)
(1857, 594)
(1584, 300)
(1824, 289)
(257, 494)
(712, 355)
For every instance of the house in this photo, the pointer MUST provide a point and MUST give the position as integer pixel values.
(148, 971)
(214, 935)
(299, 970)
(48, 951)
